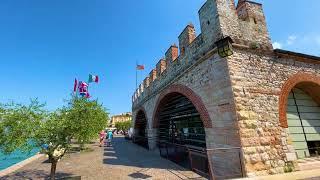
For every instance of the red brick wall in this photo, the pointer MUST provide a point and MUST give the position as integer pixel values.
(308, 82)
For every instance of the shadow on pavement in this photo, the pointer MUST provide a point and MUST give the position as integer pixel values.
(34, 174)
(125, 153)
(139, 176)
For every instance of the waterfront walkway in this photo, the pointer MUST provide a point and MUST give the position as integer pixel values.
(122, 161)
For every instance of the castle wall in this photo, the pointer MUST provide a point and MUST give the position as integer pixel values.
(257, 80)
(208, 79)
(241, 93)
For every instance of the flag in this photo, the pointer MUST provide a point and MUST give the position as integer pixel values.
(83, 88)
(75, 85)
(140, 67)
(83, 84)
(93, 78)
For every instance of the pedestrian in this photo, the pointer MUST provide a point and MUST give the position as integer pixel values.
(110, 136)
(102, 136)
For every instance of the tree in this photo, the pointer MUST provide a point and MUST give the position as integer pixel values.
(25, 127)
(87, 118)
(124, 126)
(54, 137)
(19, 124)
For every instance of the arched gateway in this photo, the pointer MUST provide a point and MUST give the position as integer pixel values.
(300, 113)
(179, 119)
(140, 129)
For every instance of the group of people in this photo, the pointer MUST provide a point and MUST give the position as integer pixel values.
(103, 135)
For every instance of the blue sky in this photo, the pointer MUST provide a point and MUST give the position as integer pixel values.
(45, 44)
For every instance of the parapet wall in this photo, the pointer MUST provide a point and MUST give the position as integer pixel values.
(245, 25)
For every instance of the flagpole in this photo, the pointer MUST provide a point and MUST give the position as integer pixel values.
(136, 75)
(75, 87)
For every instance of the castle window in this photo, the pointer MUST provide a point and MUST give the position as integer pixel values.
(183, 49)
(208, 22)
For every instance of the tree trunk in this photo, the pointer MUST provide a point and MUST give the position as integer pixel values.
(53, 169)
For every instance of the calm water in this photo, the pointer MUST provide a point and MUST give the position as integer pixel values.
(14, 158)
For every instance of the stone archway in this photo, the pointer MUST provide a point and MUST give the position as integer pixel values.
(299, 113)
(140, 136)
(180, 118)
(310, 83)
(193, 97)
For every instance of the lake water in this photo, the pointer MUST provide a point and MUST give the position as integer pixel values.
(14, 158)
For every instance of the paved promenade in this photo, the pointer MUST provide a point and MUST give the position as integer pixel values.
(122, 161)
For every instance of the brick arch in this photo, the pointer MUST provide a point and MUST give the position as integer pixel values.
(141, 109)
(187, 92)
(310, 83)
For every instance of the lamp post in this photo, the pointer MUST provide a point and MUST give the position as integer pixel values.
(225, 47)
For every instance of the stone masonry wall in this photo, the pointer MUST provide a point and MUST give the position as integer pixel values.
(218, 19)
(210, 81)
(253, 24)
(240, 92)
(257, 80)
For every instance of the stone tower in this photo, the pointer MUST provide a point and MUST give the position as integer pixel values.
(218, 19)
(253, 23)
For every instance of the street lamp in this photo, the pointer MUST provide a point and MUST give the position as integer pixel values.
(225, 47)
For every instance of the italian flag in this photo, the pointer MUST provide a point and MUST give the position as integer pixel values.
(93, 78)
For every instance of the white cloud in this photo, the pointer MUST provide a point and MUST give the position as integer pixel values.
(308, 43)
(277, 45)
(291, 39)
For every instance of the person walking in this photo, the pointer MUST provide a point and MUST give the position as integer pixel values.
(110, 137)
(102, 136)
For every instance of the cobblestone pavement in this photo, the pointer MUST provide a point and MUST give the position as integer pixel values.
(123, 160)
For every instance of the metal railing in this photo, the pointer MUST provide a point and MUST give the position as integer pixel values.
(222, 163)
(226, 163)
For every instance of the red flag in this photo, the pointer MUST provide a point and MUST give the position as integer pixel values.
(140, 67)
(75, 85)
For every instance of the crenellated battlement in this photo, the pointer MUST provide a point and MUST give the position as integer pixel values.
(244, 24)
(172, 54)
(161, 67)
(186, 37)
(252, 22)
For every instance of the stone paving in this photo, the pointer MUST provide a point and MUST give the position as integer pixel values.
(123, 160)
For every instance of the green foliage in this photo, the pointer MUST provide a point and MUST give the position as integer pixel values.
(124, 126)
(19, 124)
(56, 134)
(289, 167)
(254, 45)
(87, 118)
(25, 126)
